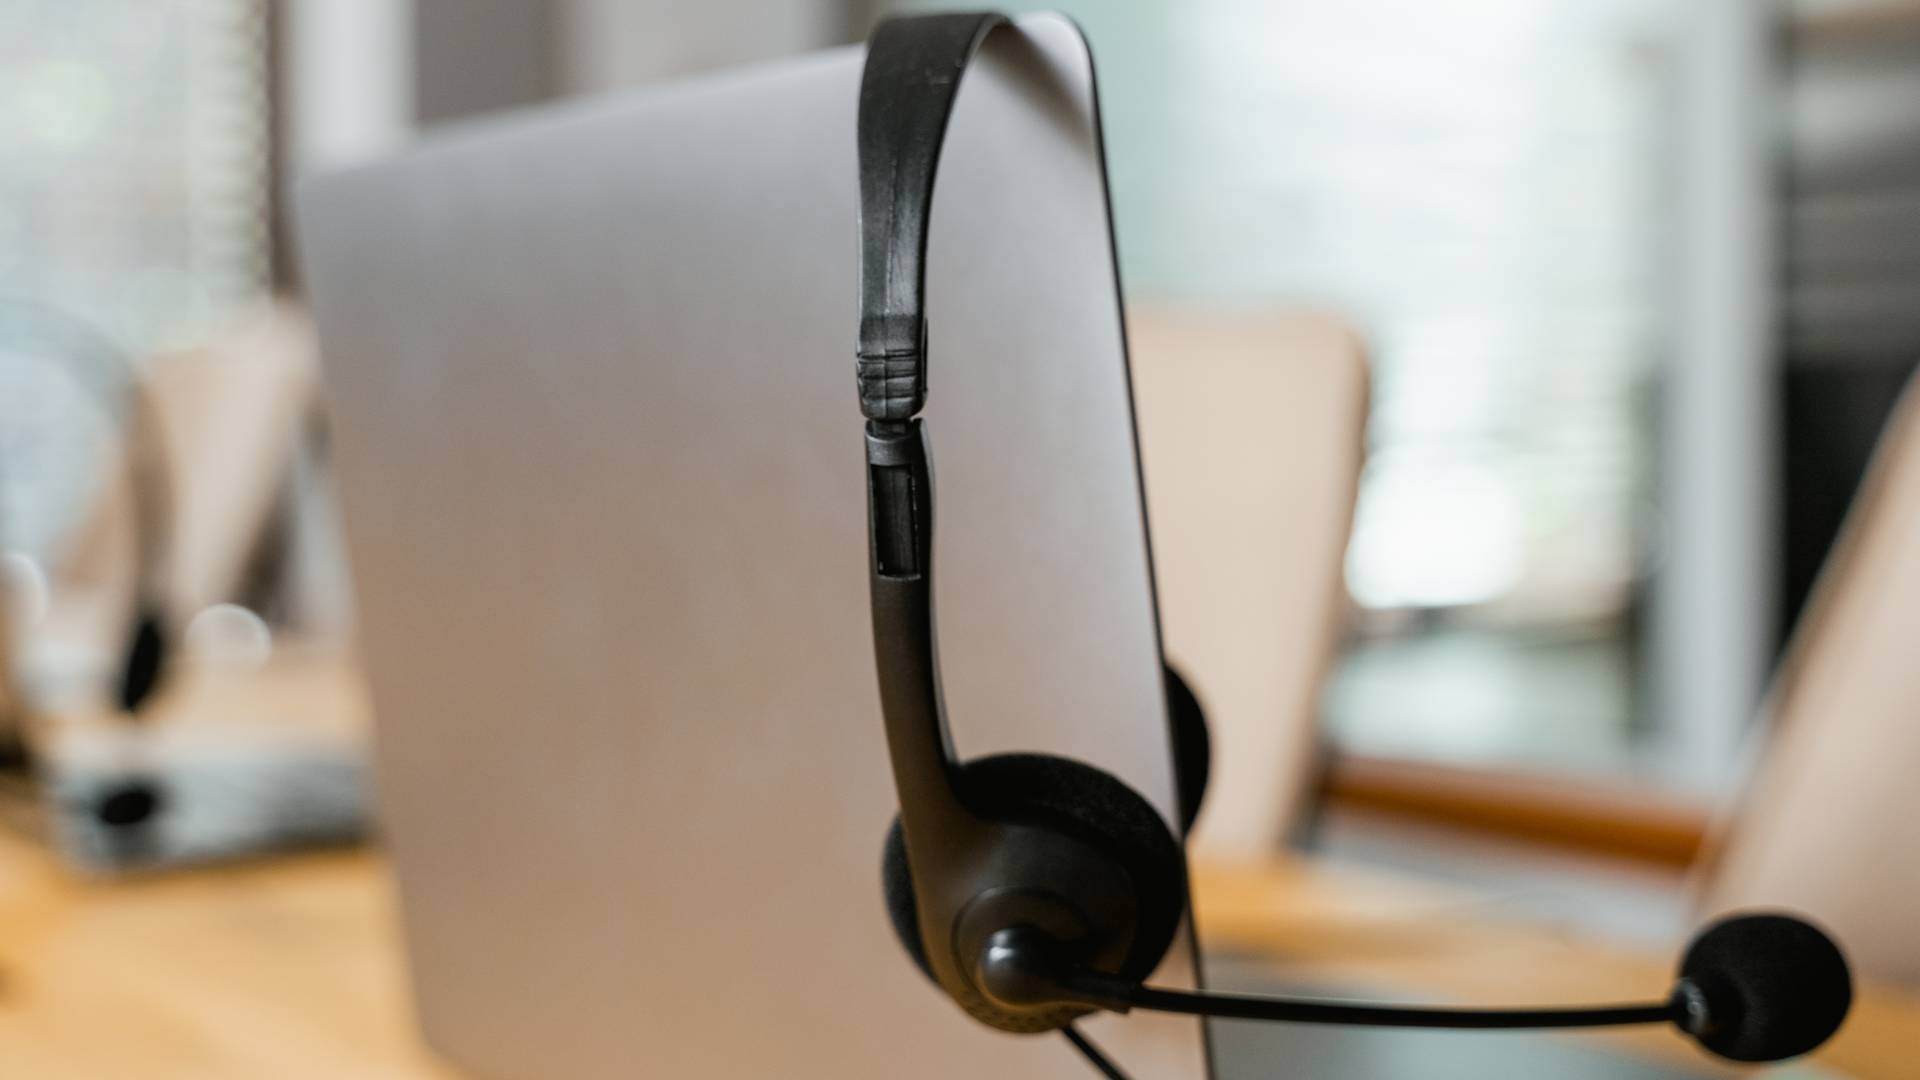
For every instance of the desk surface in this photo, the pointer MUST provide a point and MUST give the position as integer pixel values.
(289, 969)
(292, 968)
(1408, 938)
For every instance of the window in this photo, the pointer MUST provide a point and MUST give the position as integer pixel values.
(1485, 189)
(133, 215)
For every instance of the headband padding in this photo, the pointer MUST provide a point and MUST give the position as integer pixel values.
(897, 879)
(907, 91)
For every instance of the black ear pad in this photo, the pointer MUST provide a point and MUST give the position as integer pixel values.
(1083, 802)
(1192, 747)
(897, 880)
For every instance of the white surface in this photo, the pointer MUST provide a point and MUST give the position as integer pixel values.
(1713, 614)
(349, 80)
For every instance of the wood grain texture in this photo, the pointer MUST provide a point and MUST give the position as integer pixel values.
(1414, 939)
(289, 969)
(1582, 815)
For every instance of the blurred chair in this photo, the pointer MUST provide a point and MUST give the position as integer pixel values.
(235, 416)
(1251, 433)
(249, 745)
(1830, 824)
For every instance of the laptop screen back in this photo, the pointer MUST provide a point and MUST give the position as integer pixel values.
(592, 373)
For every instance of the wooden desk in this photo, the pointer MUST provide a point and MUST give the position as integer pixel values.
(286, 969)
(1410, 938)
(291, 969)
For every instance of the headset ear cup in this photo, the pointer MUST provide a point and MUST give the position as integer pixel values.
(1192, 747)
(1084, 802)
(897, 879)
(1100, 810)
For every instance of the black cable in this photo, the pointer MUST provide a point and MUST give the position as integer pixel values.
(1335, 1012)
(1092, 1053)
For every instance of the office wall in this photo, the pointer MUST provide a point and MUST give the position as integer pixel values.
(475, 56)
(607, 44)
(347, 82)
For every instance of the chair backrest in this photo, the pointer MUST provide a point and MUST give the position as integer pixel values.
(1251, 434)
(232, 414)
(1831, 822)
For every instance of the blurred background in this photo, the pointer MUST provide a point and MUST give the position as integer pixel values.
(1632, 280)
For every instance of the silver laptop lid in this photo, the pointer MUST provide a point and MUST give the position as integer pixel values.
(592, 371)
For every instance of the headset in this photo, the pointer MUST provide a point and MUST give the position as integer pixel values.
(110, 376)
(1033, 889)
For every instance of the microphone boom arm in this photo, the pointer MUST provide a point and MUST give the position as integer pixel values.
(1021, 966)
(1239, 1007)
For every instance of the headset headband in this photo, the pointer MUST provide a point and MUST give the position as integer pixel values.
(907, 90)
(954, 854)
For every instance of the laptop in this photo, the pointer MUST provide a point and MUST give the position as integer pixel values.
(591, 371)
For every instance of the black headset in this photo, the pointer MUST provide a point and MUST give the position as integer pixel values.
(109, 375)
(1035, 889)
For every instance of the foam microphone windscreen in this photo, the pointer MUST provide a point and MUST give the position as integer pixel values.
(1774, 986)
